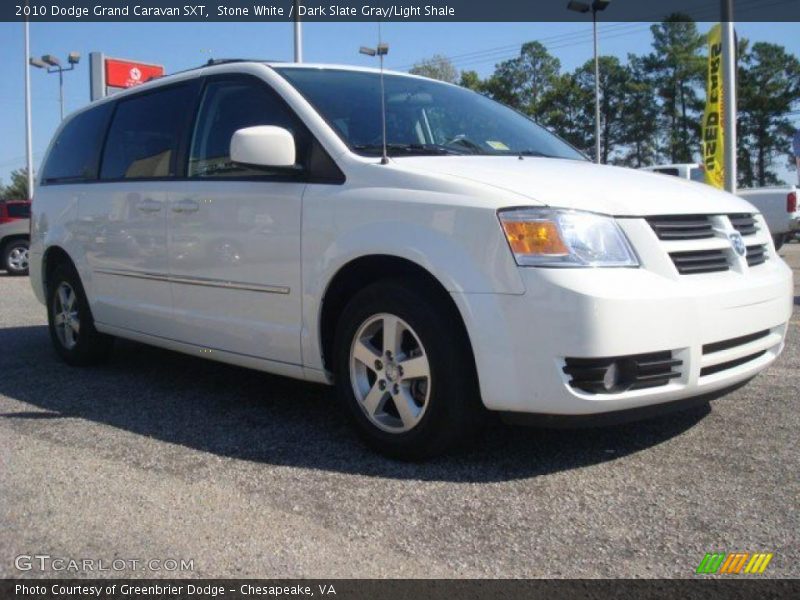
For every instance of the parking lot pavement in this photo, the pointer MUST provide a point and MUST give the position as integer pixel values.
(160, 456)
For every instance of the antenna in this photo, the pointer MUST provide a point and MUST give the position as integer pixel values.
(380, 51)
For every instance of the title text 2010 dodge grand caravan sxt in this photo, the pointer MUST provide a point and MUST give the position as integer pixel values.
(244, 212)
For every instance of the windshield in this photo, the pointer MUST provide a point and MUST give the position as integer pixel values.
(422, 116)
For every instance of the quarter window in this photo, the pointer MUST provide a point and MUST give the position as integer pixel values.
(76, 152)
(226, 107)
(145, 134)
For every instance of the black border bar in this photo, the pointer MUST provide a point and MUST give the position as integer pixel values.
(700, 587)
(387, 10)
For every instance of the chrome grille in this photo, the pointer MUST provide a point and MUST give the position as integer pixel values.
(681, 227)
(699, 261)
(699, 244)
(756, 255)
(744, 224)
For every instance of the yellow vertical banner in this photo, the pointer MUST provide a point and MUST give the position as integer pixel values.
(713, 134)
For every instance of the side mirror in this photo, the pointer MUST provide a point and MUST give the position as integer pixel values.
(263, 146)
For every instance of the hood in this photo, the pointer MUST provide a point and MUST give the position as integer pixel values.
(582, 185)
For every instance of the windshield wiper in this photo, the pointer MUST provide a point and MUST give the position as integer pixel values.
(531, 153)
(418, 149)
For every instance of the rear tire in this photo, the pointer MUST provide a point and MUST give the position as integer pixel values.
(15, 257)
(412, 395)
(72, 329)
(778, 240)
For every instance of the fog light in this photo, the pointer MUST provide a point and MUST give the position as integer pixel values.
(614, 374)
(611, 377)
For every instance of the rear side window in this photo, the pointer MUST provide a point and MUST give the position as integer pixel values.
(669, 171)
(75, 154)
(145, 134)
(698, 175)
(19, 211)
(226, 107)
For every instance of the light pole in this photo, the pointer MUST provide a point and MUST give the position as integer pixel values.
(380, 51)
(28, 140)
(729, 94)
(53, 65)
(584, 7)
(298, 34)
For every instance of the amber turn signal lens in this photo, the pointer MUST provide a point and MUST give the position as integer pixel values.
(534, 237)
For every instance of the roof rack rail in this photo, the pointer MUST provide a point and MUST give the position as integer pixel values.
(223, 61)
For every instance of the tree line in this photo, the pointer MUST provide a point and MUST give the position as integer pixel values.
(17, 189)
(651, 105)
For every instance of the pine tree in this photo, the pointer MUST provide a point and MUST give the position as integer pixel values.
(768, 86)
(677, 67)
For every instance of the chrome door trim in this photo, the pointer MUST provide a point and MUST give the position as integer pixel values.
(202, 281)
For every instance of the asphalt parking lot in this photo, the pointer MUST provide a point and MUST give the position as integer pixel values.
(157, 455)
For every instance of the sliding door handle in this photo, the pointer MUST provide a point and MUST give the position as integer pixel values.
(185, 206)
(148, 206)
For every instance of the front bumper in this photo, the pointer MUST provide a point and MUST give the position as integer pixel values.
(521, 342)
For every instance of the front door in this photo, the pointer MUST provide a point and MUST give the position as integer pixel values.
(234, 232)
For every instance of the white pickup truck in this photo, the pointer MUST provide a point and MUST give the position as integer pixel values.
(780, 210)
(778, 205)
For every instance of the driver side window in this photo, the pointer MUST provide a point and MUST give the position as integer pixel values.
(226, 107)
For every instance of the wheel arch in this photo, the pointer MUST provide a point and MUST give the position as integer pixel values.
(13, 238)
(52, 257)
(360, 272)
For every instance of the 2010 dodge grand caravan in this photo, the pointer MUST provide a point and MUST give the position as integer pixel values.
(244, 212)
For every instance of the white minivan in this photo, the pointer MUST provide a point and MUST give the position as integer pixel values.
(245, 212)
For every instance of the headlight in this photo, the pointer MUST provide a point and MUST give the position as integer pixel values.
(546, 237)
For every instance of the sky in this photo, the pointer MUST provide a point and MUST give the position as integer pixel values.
(179, 46)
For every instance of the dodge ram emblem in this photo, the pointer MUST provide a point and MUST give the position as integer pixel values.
(738, 243)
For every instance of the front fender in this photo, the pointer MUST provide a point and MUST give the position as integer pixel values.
(461, 246)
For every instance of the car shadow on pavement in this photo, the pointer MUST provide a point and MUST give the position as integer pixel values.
(252, 416)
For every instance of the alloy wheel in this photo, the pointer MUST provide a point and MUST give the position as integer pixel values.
(18, 258)
(65, 315)
(390, 373)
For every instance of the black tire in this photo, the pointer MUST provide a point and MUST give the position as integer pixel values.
(454, 412)
(779, 240)
(90, 346)
(11, 259)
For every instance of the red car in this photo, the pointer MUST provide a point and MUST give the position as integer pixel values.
(14, 235)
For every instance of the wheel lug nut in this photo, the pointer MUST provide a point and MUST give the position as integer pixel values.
(396, 389)
(382, 384)
(388, 355)
(378, 365)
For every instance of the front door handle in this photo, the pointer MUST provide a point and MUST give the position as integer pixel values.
(148, 206)
(185, 206)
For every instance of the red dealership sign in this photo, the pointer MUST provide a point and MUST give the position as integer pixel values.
(125, 74)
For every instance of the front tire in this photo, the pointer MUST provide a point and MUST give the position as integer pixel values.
(405, 373)
(15, 257)
(72, 329)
